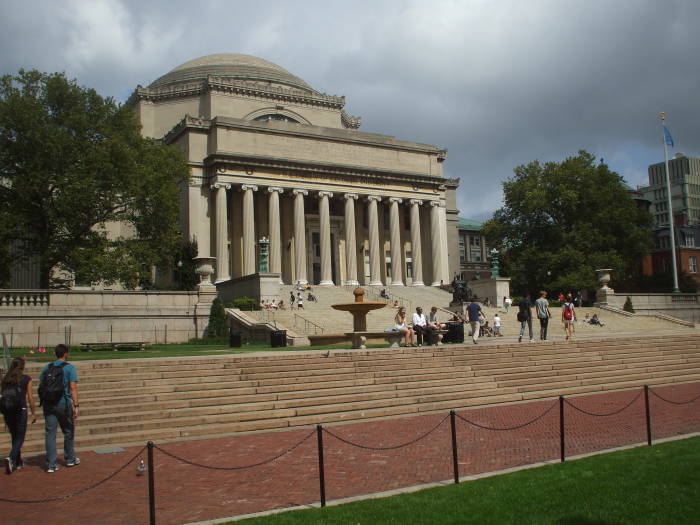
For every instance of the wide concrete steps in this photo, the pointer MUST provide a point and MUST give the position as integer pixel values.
(132, 402)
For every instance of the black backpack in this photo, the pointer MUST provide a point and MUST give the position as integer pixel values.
(10, 399)
(51, 387)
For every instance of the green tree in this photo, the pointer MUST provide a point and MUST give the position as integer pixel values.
(185, 276)
(562, 220)
(216, 329)
(73, 165)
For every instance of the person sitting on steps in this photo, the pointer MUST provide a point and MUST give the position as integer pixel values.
(401, 326)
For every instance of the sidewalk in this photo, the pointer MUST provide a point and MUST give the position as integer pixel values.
(187, 493)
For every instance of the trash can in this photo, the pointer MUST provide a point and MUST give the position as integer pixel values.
(455, 333)
(235, 339)
(278, 338)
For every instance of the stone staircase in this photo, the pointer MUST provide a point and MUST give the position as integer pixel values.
(131, 401)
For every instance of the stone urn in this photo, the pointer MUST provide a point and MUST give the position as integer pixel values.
(205, 269)
(604, 278)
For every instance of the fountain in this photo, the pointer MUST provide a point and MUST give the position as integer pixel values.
(359, 310)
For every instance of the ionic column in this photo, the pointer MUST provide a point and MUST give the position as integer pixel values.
(274, 229)
(248, 229)
(416, 255)
(443, 245)
(221, 230)
(350, 240)
(395, 240)
(325, 234)
(436, 238)
(375, 278)
(299, 237)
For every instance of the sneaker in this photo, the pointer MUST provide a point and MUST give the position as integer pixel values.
(8, 466)
(532, 340)
(73, 462)
(19, 466)
(520, 339)
(53, 469)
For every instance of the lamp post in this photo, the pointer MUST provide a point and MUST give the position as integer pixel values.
(676, 289)
(179, 275)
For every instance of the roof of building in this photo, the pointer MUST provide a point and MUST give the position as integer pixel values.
(468, 224)
(234, 66)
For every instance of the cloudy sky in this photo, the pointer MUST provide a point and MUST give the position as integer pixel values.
(496, 82)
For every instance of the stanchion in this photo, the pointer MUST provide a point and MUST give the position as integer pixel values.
(648, 412)
(562, 444)
(455, 462)
(321, 474)
(151, 486)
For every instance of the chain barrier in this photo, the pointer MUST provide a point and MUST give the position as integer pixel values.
(393, 447)
(243, 467)
(79, 491)
(675, 402)
(608, 414)
(516, 427)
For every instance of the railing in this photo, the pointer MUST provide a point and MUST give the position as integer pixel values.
(307, 324)
(20, 298)
(374, 293)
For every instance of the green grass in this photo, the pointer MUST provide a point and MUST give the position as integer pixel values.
(645, 485)
(172, 350)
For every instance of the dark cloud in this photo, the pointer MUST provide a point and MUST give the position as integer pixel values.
(497, 83)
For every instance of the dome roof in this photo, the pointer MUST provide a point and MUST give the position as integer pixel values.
(231, 65)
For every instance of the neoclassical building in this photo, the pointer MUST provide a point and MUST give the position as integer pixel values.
(273, 157)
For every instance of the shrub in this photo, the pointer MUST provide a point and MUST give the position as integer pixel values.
(217, 320)
(628, 305)
(244, 303)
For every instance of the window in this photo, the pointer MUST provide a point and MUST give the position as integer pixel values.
(692, 264)
(475, 240)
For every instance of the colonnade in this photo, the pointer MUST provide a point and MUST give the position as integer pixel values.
(438, 235)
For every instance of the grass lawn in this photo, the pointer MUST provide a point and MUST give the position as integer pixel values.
(645, 485)
(171, 350)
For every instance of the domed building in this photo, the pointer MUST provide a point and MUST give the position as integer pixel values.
(273, 157)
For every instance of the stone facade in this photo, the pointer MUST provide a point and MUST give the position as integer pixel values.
(270, 156)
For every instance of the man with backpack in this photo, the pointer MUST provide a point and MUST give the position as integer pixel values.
(58, 392)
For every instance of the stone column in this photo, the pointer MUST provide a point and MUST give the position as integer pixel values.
(375, 278)
(223, 272)
(350, 240)
(248, 229)
(445, 270)
(395, 240)
(436, 237)
(299, 237)
(416, 255)
(325, 235)
(274, 229)
(193, 195)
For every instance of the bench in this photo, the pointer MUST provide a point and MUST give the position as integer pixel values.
(392, 337)
(114, 346)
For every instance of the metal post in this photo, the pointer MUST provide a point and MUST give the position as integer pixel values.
(166, 334)
(38, 337)
(111, 334)
(455, 462)
(562, 444)
(151, 486)
(321, 473)
(646, 405)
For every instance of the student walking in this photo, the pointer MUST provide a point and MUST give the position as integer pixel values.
(17, 396)
(474, 314)
(543, 314)
(568, 316)
(525, 316)
(58, 391)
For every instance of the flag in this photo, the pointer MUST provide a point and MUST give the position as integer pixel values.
(668, 139)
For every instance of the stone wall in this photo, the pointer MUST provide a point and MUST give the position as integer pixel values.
(49, 317)
(685, 306)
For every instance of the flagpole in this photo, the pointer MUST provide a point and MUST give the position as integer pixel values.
(662, 116)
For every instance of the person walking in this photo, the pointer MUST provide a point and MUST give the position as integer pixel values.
(568, 316)
(497, 325)
(525, 316)
(507, 301)
(17, 390)
(543, 314)
(58, 392)
(474, 314)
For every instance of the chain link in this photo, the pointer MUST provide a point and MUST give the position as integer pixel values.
(243, 467)
(516, 427)
(675, 402)
(604, 415)
(79, 491)
(393, 447)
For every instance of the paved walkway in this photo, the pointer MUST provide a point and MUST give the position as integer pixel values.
(188, 493)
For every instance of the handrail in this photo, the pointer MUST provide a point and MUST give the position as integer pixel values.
(307, 322)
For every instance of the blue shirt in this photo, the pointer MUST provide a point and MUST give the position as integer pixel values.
(70, 374)
(473, 310)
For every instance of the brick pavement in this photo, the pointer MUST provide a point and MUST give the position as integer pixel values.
(187, 493)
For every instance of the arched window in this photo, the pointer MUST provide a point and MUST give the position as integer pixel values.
(268, 117)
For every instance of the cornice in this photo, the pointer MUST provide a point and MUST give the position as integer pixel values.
(349, 121)
(311, 169)
(239, 87)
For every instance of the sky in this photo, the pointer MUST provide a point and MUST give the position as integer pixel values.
(498, 83)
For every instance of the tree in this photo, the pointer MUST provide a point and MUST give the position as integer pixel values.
(562, 220)
(185, 276)
(216, 329)
(81, 190)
